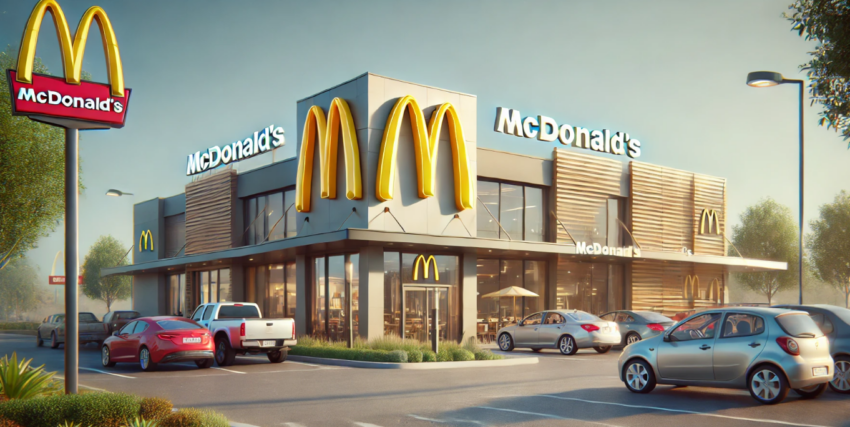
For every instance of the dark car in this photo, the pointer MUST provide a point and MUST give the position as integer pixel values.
(834, 321)
(115, 320)
(53, 328)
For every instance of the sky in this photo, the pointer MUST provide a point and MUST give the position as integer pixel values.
(670, 73)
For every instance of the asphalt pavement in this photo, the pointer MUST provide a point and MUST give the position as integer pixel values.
(582, 390)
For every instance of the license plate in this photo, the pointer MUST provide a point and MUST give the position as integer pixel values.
(267, 343)
(820, 372)
(192, 340)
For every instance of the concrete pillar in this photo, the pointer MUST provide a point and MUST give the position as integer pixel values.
(371, 292)
(302, 306)
(469, 294)
(237, 281)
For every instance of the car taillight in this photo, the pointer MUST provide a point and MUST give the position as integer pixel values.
(789, 345)
(293, 330)
(164, 336)
(590, 328)
(655, 327)
(242, 329)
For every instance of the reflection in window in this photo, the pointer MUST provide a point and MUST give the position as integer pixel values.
(269, 217)
(489, 194)
(276, 283)
(352, 275)
(337, 325)
(335, 280)
(493, 275)
(534, 214)
(510, 211)
(519, 209)
(224, 291)
(319, 299)
(392, 294)
(176, 294)
(585, 286)
(290, 290)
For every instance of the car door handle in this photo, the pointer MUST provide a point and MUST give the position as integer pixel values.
(705, 347)
(754, 344)
(535, 329)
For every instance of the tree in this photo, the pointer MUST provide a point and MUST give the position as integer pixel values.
(829, 244)
(32, 176)
(106, 252)
(18, 290)
(767, 231)
(827, 22)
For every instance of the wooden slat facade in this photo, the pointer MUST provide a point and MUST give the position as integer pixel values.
(664, 287)
(210, 213)
(583, 184)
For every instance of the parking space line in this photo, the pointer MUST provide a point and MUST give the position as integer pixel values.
(302, 363)
(365, 424)
(538, 414)
(82, 385)
(108, 373)
(229, 370)
(446, 421)
(681, 411)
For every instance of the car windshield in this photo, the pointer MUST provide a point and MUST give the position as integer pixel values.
(654, 317)
(176, 325)
(580, 316)
(841, 313)
(238, 312)
(799, 325)
(88, 318)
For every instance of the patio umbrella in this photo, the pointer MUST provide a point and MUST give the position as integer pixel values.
(511, 291)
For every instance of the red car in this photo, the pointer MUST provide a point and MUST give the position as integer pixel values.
(150, 341)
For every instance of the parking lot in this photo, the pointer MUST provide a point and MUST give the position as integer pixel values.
(578, 390)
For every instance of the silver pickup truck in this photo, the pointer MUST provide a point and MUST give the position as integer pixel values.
(53, 328)
(239, 328)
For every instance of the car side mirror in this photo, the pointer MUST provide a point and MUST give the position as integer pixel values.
(667, 338)
(115, 334)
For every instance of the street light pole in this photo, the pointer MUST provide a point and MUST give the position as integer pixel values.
(72, 320)
(768, 79)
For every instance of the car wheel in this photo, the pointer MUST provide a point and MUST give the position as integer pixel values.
(54, 342)
(811, 392)
(277, 356)
(632, 338)
(204, 363)
(145, 360)
(602, 349)
(106, 357)
(841, 380)
(567, 345)
(224, 354)
(506, 343)
(767, 385)
(639, 377)
(38, 341)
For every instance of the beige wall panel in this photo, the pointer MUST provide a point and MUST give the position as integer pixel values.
(583, 184)
(209, 213)
(647, 289)
(709, 193)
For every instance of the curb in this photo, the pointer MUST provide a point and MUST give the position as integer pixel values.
(18, 332)
(514, 361)
(232, 424)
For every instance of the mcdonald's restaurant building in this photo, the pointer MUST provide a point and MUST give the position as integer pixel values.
(391, 210)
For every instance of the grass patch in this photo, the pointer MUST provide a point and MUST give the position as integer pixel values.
(18, 326)
(391, 349)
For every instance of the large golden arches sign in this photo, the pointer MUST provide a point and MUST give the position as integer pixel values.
(691, 285)
(72, 51)
(316, 127)
(425, 142)
(427, 265)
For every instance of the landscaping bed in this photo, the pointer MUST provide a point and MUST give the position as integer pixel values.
(18, 326)
(391, 350)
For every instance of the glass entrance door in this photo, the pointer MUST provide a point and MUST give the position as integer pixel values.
(419, 301)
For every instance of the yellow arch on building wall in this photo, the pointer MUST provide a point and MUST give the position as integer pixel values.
(326, 131)
(691, 284)
(72, 51)
(425, 143)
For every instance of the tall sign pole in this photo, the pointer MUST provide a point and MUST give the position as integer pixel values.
(72, 104)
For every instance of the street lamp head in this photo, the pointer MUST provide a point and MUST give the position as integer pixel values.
(764, 79)
(117, 193)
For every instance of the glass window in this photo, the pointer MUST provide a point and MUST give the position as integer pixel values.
(488, 192)
(177, 325)
(290, 290)
(259, 226)
(177, 294)
(535, 281)
(392, 294)
(140, 327)
(225, 292)
(213, 286)
(319, 298)
(198, 313)
(352, 273)
(534, 215)
(823, 323)
(580, 316)
(700, 327)
(87, 318)
(653, 317)
(609, 317)
(623, 317)
(553, 318)
(208, 312)
(251, 214)
(488, 282)
(337, 302)
(289, 201)
(510, 211)
(510, 275)
(276, 302)
(740, 325)
(128, 328)
(798, 325)
(205, 286)
(534, 319)
(274, 217)
(237, 311)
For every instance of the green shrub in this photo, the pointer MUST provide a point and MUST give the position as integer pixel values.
(18, 326)
(429, 356)
(70, 424)
(487, 355)
(94, 409)
(414, 356)
(155, 408)
(444, 355)
(18, 380)
(8, 423)
(462, 355)
(398, 356)
(141, 422)
(191, 417)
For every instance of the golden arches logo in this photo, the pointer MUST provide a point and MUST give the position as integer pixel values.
(691, 285)
(427, 264)
(144, 239)
(326, 131)
(709, 216)
(425, 143)
(714, 290)
(72, 51)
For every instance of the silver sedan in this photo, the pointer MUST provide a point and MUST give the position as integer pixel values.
(566, 330)
(767, 351)
(834, 322)
(638, 325)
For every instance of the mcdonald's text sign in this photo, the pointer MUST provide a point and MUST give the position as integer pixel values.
(60, 280)
(42, 97)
